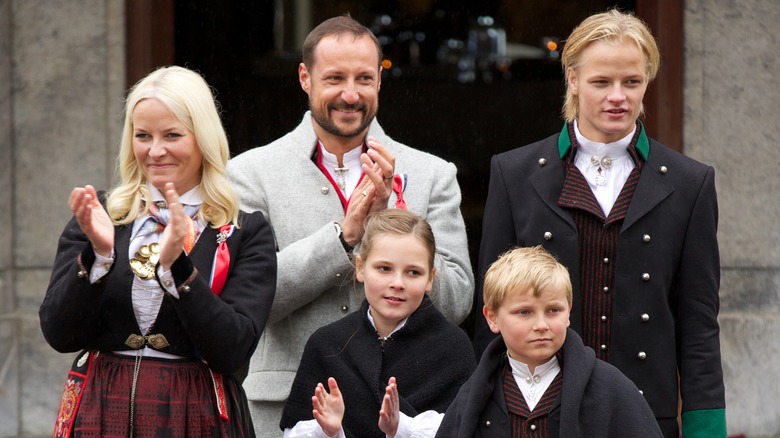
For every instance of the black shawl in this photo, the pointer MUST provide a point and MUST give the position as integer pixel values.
(429, 357)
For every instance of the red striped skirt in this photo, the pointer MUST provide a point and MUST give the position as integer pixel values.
(173, 398)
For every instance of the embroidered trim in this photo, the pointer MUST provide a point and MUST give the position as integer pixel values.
(219, 391)
(83, 273)
(185, 287)
(71, 395)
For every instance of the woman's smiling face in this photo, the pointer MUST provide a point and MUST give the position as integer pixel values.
(165, 149)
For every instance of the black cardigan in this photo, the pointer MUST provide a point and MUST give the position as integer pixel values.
(429, 357)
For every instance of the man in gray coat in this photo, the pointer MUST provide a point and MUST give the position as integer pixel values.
(316, 186)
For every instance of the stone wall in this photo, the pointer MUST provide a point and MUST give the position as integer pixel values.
(61, 82)
(61, 86)
(731, 93)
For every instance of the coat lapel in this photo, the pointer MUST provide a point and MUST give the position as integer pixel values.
(650, 191)
(548, 184)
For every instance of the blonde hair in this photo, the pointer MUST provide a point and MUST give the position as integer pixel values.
(399, 223)
(613, 27)
(187, 95)
(520, 269)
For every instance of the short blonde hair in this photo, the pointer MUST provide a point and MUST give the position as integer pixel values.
(520, 269)
(612, 27)
(187, 95)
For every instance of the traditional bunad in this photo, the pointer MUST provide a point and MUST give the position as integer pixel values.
(158, 349)
(586, 398)
(635, 223)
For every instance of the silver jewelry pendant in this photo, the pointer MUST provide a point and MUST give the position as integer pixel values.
(341, 176)
(605, 162)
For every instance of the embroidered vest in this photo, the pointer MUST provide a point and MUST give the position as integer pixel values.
(597, 242)
(524, 422)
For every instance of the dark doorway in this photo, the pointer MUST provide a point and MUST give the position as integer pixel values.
(462, 105)
(439, 95)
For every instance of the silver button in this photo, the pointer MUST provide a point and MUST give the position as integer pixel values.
(606, 289)
(603, 347)
(533, 427)
(663, 170)
(547, 235)
(646, 277)
(344, 309)
(185, 288)
(645, 317)
(82, 274)
(641, 392)
(338, 275)
(487, 423)
(168, 284)
(646, 238)
(642, 355)
(542, 162)
(604, 318)
(325, 190)
(606, 260)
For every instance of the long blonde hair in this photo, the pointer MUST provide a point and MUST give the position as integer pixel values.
(187, 95)
(612, 27)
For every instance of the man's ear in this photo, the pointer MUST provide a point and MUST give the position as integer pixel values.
(492, 321)
(304, 78)
(359, 267)
(571, 79)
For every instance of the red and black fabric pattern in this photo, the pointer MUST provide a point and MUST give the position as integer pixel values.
(174, 398)
(526, 423)
(597, 244)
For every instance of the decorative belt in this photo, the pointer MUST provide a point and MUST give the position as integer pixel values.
(157, 341)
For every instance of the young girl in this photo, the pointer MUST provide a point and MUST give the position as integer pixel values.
(397, 335)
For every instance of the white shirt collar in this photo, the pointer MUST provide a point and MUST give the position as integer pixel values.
(350, 160)
(616, 149)
(533, 386)
(329, 160)
(398, 327)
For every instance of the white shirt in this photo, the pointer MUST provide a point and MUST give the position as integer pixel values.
(534, 385)
(350, 160)
(606, 184)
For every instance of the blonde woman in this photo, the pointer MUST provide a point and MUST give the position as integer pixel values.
(162, 284)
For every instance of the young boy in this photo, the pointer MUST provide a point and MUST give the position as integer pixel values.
(538, 379)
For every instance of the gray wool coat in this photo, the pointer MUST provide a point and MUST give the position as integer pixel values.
(315, 280)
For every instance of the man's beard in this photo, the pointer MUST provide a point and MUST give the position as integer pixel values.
(327, 123)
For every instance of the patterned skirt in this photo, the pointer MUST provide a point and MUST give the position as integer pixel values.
(173, 398)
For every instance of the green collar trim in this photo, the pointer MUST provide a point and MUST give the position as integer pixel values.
(642, 143)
